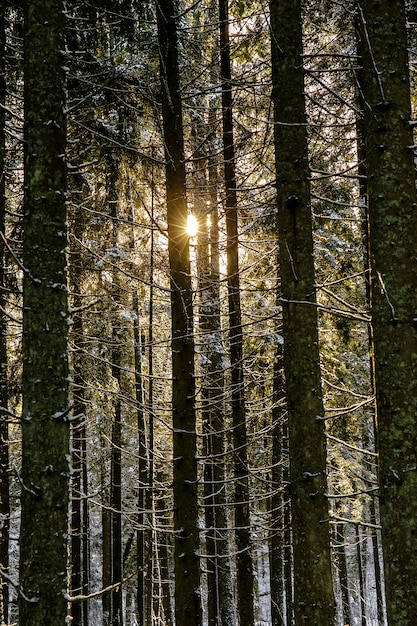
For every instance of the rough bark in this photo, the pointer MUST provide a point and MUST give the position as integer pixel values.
(392, 226)
(46, 409)
(313, 591)
(187, 596)
(4, 387)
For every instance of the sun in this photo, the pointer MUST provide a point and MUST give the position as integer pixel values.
(192, 225)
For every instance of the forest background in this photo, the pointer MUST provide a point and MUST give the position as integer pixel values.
(208, 421)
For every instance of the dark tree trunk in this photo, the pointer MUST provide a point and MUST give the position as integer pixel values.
(288, 553)
(76, 525)
(361, 579)
(46, 409)
(363, 196)
(244, 574)
(143, 466)
(150, 547)
(116, 432)
(392, 227)
(4, 387)
(340, 551)
(79, 488)
(377, 564)
(106, 541)
(187, 569)
(279, 460)
(116, 516)
(219, 575)
(313, 589)
(163, 546)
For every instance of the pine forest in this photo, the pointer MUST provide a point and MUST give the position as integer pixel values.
(208, 313)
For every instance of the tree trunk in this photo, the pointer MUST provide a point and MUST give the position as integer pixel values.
(244, 574)
(150, 547)
(313, 589)
(106, 540)
(143, 466)
(4, 387)
(220, 583)
(163, 545)
(361, 579)
(340, 551)
(392, 227)
(187, 569)
(276, 553)
(116, 432)
(46, 408)
(79, 488)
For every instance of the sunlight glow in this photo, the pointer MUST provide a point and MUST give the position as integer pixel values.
(192, 226)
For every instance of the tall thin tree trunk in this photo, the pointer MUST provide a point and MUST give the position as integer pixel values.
(4, 387)
(163, 545)
(377, 563)
(313, 589)
(76, 525)
(363, 199)
(361, 578)
(106, 540)
(187, 568)
(244, 565)
(116, 513)
(85, 578)
(226, 600)
(79, 489)
(150, 547)
(46, 405)
(143, 464)
(116, 432)
(277, 541)
(288, 552)
(220, 600)
(340, 551)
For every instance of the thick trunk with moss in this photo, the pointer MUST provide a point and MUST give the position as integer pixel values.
(46, 409)
(187, 597)
(313, 590)
(392, 243)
